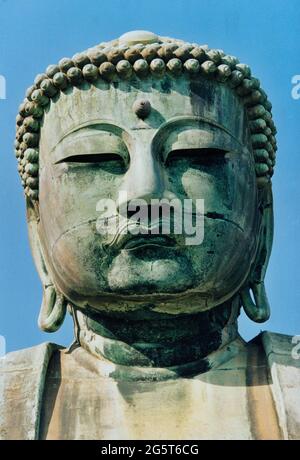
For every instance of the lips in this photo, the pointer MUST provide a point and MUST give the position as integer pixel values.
(133, 242)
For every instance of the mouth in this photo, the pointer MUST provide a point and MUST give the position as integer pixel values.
(135, 242)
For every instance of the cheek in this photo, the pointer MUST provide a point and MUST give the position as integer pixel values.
(222, 261)
(79, 262)
(215, 189)
(68, 219)
(228, 188)
(70, 196)
(231, 224)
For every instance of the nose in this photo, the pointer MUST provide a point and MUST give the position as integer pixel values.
(144, 180)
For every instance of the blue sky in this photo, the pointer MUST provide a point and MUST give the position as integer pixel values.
(264, 34)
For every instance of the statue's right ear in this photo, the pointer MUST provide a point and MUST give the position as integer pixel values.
(54, 304)
(259, 309)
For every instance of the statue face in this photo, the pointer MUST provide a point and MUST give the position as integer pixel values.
(193, 145)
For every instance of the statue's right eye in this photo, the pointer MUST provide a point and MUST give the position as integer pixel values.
(92, 158)
(110, 162)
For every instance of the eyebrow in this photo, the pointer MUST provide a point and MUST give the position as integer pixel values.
(104, 127)
(183, 121)
(108, 127)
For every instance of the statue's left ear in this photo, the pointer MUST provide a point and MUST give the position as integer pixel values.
(259, 309)
(54, 304)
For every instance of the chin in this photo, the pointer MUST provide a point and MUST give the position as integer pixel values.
(150, 270)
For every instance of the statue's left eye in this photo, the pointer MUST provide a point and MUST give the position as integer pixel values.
(201, 157)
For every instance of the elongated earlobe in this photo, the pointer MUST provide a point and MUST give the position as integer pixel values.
(258, 310)
(53, 310)
(54, 304)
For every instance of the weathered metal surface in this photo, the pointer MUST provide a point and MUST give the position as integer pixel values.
(88, 398)
(22, 381)
(158, 354)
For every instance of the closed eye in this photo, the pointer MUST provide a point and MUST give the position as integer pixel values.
(205, 157)
(92, 158)
(111, 163)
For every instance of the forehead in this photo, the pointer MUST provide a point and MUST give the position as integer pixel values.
(212, 102)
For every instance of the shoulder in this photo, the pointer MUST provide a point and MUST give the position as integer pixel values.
(283, 348)
(28, 358)
(22, 377)
(283, 357)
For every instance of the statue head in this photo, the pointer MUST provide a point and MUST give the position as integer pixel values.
(118, 132)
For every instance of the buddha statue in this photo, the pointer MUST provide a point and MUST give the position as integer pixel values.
(143, 122)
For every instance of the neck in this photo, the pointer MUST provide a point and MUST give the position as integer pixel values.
(160, 342)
